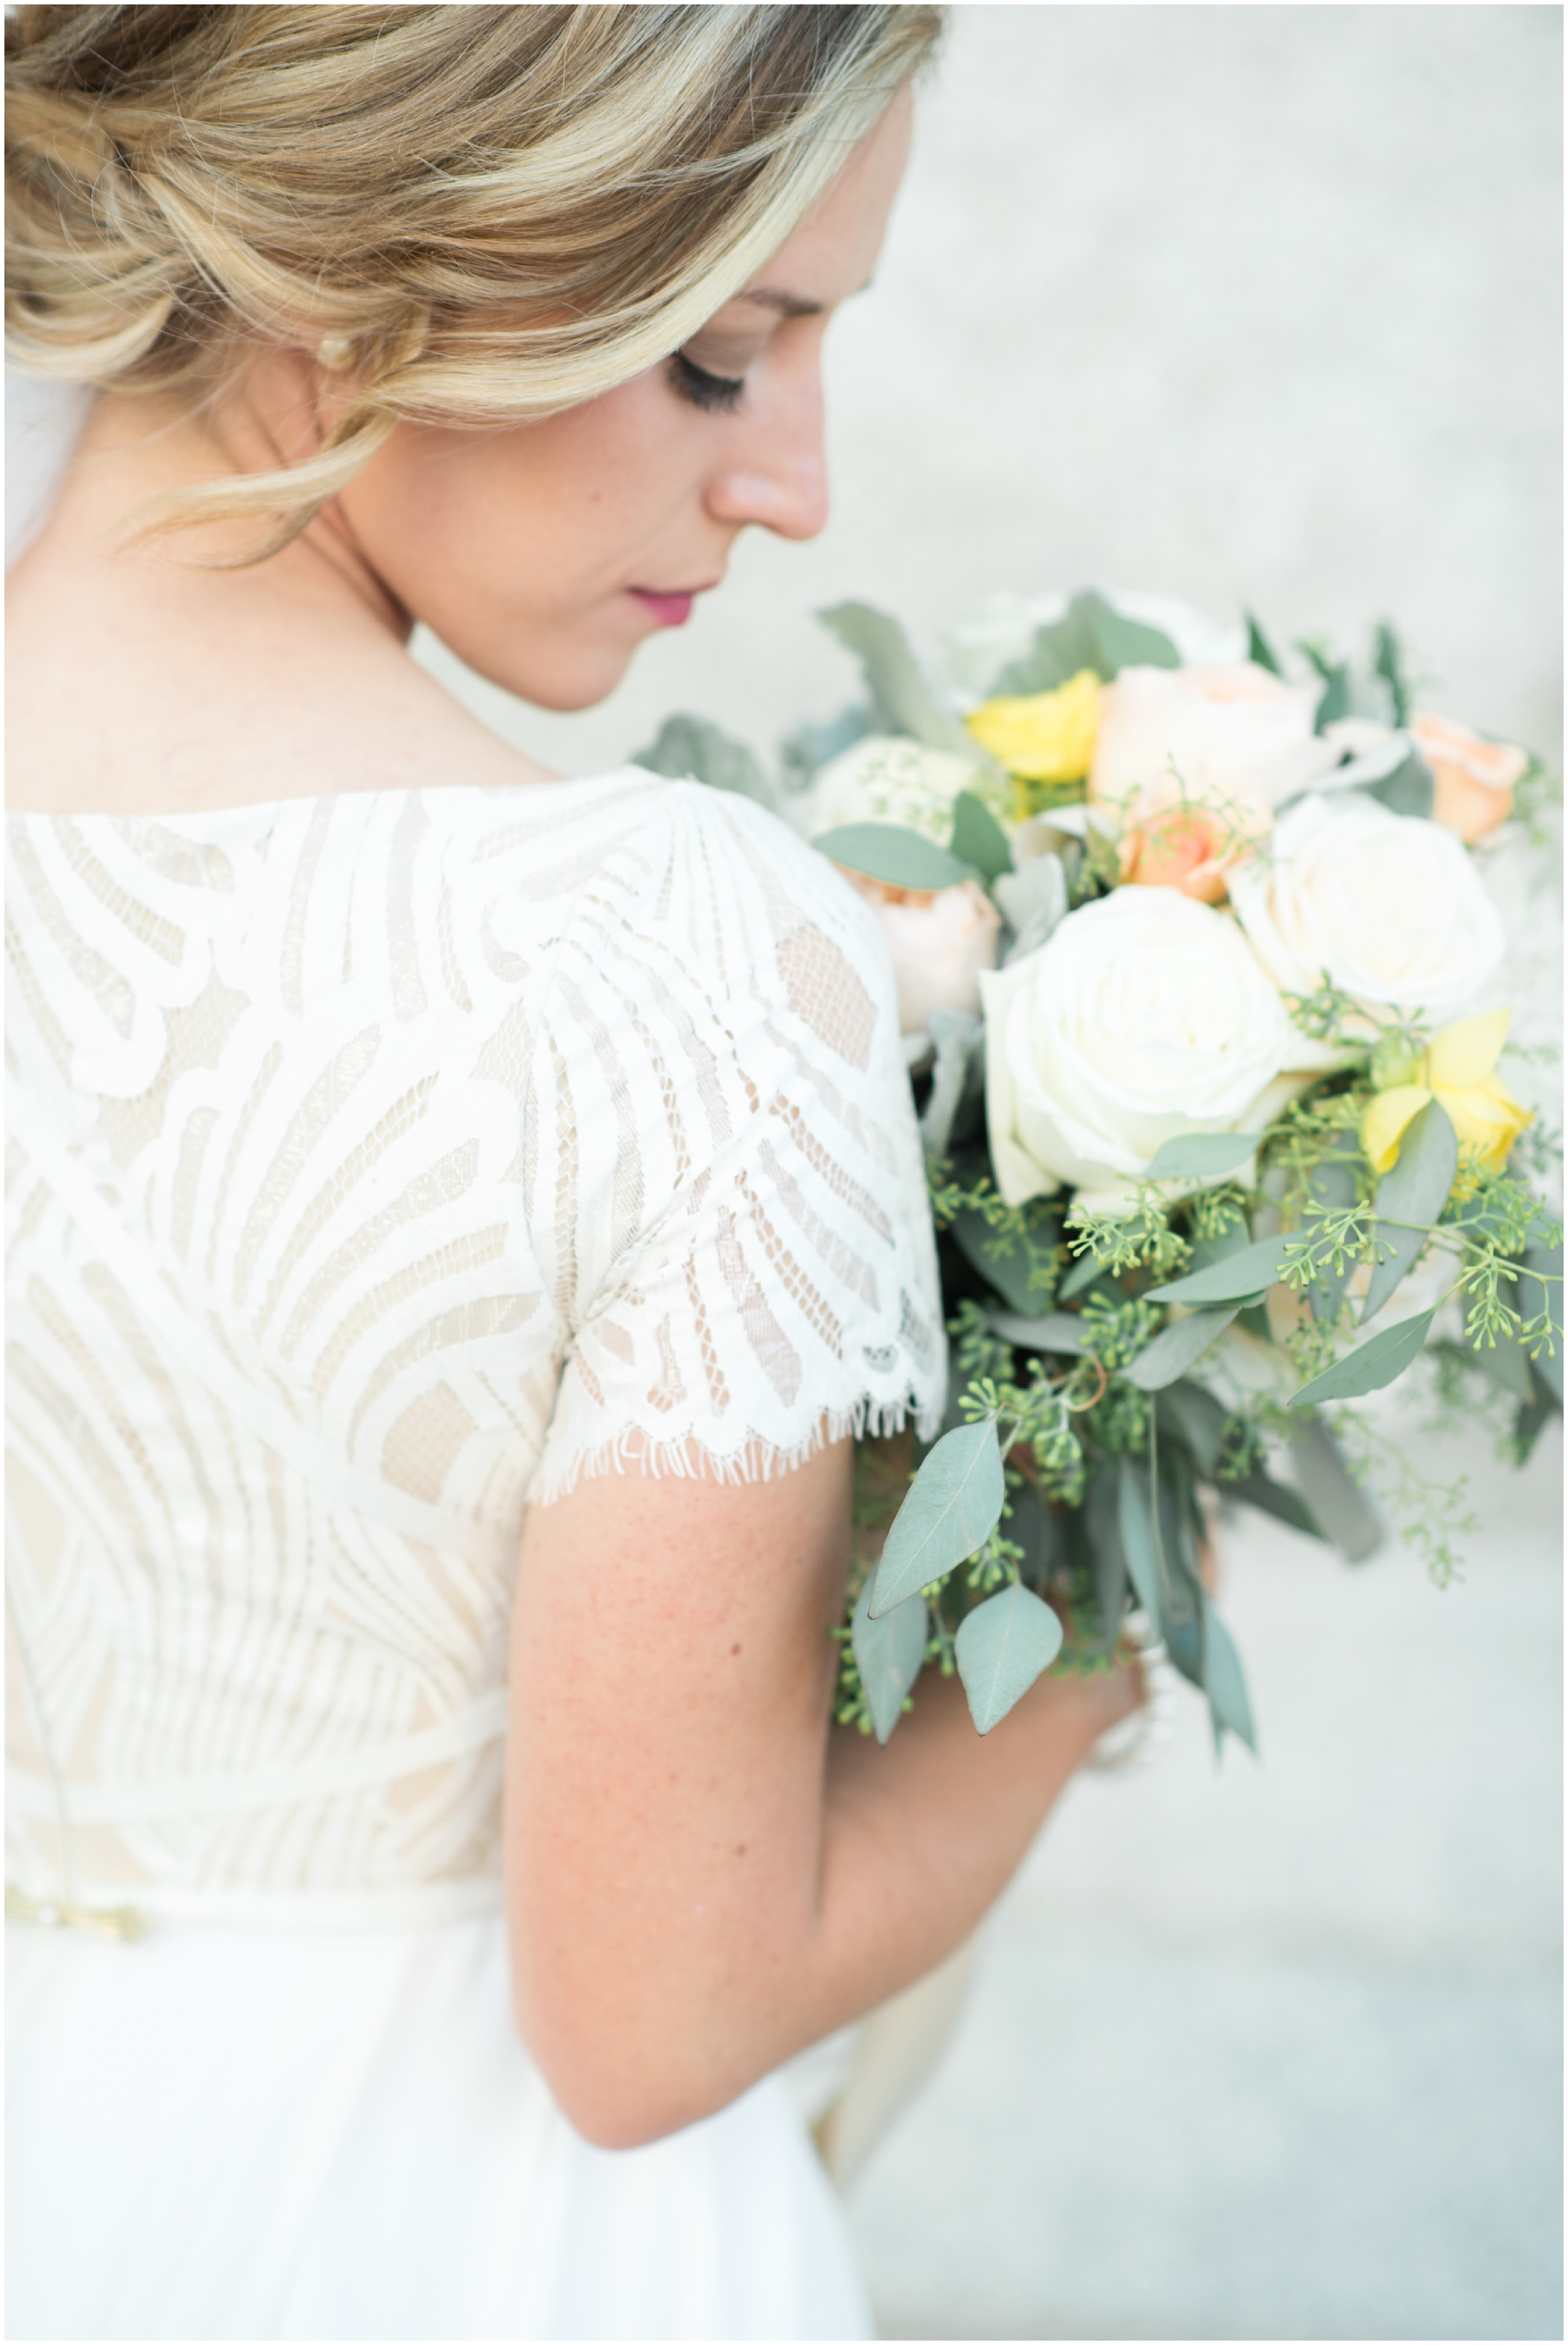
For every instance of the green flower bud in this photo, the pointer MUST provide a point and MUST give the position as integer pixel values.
(1395, 1060)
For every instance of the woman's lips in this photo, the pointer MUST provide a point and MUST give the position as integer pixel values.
(669, 610)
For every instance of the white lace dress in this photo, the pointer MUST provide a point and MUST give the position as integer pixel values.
(376, 1164)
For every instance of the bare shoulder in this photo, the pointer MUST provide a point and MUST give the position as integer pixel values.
(157, 691)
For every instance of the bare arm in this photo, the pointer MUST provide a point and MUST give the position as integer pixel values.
(703, 1875)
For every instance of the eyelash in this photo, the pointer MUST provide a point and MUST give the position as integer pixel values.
(717, 394)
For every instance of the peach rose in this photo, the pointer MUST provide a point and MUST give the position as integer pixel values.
(1473, 780)
(1193, 761)
(1169, 839)
(940, 940)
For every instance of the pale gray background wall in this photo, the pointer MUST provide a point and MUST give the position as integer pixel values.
(1227, 303)
(1261, 303)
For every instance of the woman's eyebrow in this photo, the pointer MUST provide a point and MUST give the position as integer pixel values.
(788, 305)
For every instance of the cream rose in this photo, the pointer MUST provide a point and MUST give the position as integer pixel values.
(885, 779)
(1390, 907)
(940, 941)
(1145, 1017)
(1230, 736)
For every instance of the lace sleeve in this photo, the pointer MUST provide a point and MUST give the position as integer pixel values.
(724, 1179)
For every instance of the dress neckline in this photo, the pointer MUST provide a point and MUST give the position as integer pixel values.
(490, 792)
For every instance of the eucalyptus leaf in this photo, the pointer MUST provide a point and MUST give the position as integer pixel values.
(888, 1652)
(1009, 1258)
(688, 748)
(1531, 1421)
(1370, 1367)
(1331, 1184)
(978, 837)
(1191, 1412)
(1137, 1539)
(1052, 1331)
(1032, 1526)
(1334, 701)
(1259, 648)
(1224, 1682)
(955, 1503)
(954, 1034)
(1001, 1648)
(1099, 1516)
(889, 852)
(1342, 1511)
(1544, 1292)
(1080, 1278)
(1200, 1155)
(1414, 1189)
(1176, 1347)
(1388, 662)
(1506, 1364)
(1222, 1246)
(1410, 790)
(905, 702)
(1277, 1498)
(1240, 1278)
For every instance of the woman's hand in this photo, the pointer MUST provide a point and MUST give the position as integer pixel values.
(703, 1876)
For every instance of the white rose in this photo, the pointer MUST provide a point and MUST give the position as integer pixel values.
(1391, 908)
(885, 779)
(940, 940)
(1144, 1018)
(1233, 734)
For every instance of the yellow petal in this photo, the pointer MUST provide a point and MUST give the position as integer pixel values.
(1043, 736)
(1487, 1119)
(1462, 1054)
(1385, 1119)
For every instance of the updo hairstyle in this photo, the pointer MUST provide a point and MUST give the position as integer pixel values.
(475, 215)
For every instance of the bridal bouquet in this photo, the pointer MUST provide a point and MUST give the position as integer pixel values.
(1194, 963)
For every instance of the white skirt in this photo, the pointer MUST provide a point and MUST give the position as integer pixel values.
(224, 2134)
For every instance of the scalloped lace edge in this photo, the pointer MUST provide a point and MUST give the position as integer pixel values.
(756, 1460)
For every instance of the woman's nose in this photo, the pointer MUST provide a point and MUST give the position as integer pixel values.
(774, 472)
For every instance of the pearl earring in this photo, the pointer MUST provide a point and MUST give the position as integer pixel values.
(334, 352)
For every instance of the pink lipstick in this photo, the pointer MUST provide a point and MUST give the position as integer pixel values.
(669, 610)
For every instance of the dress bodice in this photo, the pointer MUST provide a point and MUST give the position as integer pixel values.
(378, 1165)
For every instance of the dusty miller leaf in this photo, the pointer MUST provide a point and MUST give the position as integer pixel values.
(905, 702)
(690, 748)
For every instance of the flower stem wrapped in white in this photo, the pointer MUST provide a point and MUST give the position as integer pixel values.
(1144, 1019)
(1389, 907)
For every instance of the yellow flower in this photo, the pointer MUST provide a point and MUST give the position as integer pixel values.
(1045, 737)
(1457, 1070)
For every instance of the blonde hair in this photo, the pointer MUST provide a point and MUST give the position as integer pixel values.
(481, 214)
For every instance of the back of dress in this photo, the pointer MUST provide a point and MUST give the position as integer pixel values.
(377, 1164)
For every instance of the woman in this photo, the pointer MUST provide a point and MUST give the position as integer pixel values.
(445, 1196)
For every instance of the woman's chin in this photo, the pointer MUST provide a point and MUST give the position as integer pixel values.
(563, 678)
